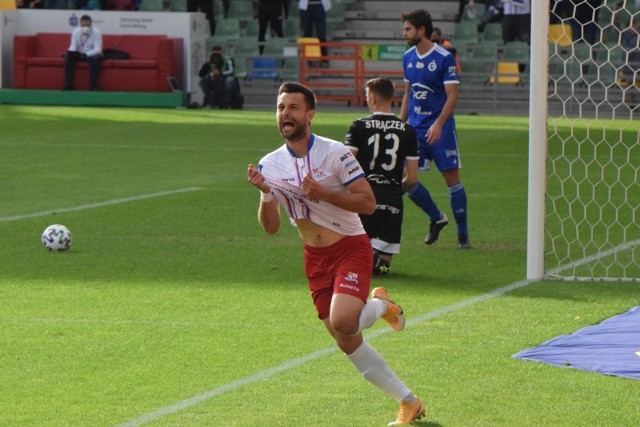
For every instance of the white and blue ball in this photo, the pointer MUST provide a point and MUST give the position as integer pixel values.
(56, 237)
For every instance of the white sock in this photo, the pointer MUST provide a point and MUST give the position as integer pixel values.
(371, 312)
(373, 367)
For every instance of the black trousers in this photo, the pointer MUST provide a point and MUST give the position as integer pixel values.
(95, 63)
(206, 6)
(270, 14)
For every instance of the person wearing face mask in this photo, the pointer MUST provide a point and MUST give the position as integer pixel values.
(86, 45)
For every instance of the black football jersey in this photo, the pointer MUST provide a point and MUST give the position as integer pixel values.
(383, 143)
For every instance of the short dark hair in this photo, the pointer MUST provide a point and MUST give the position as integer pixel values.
(85, 18)
(419, 18)
(381, 86)
(295, 87)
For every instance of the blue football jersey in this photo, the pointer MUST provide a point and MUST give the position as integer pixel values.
(427, 76)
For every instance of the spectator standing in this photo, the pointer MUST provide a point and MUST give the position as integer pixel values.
(322, 188)
(271, 13)
(430, 98)
(218, 80)
(516, 21)
(205, 6)
(383, 144)
(584, 20)
(86, 45)
(461, 8)
(313, 13)
(226, 4)
(492, 13)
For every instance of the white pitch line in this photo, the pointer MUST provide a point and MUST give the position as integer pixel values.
(294, 363)
(99, 204)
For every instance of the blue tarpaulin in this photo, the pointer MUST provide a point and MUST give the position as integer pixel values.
(611, 347)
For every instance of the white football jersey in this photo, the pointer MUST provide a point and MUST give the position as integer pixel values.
(331, 164)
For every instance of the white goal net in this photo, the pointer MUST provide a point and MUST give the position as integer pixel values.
(592, 215)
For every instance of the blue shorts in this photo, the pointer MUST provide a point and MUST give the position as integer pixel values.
(443, 153)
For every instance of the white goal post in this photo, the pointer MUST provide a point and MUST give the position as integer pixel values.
(538, 61)
(584, 145)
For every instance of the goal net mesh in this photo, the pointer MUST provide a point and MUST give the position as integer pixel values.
(592, 223)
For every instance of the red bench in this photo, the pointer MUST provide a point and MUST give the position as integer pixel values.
(38, 63)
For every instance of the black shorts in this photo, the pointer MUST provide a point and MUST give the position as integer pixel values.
(384, 227)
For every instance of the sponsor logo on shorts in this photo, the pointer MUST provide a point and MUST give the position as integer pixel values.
(352, 277)
(349, 286)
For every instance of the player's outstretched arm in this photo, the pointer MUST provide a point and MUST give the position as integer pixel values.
(268, 212)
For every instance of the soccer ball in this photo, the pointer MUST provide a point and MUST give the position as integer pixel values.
(56, 237)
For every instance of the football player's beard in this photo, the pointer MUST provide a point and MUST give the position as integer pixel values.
(413, 41)
(295, 134)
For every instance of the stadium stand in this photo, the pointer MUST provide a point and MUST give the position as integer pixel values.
(178, 6)
(466, 32)
(292, 28)
(265, 69)
(228, 29)
(560, 34)
(475, 14)
(251, 30)
(492, 32)
(152, 5)
(242, 10)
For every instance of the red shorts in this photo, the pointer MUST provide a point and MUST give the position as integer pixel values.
(342, 268)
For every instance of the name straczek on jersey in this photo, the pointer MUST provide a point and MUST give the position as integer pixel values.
(384, 125)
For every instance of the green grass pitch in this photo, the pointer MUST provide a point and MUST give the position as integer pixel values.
(174, 308)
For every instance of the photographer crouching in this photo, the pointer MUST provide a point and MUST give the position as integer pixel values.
(218, 81)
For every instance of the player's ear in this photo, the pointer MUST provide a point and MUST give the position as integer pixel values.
(310, 115)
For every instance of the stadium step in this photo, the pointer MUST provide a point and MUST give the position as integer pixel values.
(376, 21)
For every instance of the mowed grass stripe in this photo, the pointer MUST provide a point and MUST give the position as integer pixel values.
(100, 204)
(294, 363)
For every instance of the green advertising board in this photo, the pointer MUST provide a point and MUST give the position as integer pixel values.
(383, 52)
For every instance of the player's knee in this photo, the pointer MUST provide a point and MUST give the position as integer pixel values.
(345, 325)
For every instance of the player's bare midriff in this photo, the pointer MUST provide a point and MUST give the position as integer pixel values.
(316, 235)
